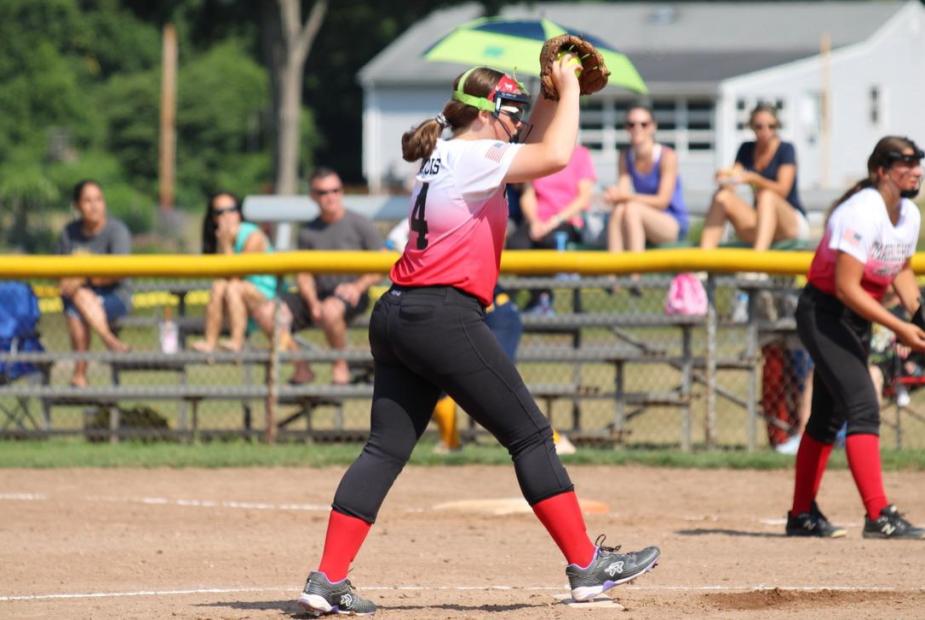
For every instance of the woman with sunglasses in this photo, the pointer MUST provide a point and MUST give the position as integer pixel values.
(769, 166)
(870, 235)
(647, 202)
(224, 231)
(428, 332)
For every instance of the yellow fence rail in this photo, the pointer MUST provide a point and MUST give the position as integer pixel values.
(522, 262)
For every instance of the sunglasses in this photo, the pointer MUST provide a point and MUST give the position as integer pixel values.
(759, 126)
(223, 210)
(910, 159)
(325, 192)
(633, 124)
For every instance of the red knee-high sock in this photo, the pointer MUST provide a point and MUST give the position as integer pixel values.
(863, 452)
(812, 457)
(341, 544)
(562, 517)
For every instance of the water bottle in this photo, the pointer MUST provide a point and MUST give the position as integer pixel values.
(561, 240)
(740, 308)
(169, 332)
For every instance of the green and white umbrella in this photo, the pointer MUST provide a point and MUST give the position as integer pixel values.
(515, 44)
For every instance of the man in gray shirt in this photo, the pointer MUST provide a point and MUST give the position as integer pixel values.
(93, 303)
(331, 301)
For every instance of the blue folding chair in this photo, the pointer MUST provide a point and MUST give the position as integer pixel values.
(19, 317)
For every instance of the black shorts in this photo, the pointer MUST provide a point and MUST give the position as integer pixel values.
(302, 318)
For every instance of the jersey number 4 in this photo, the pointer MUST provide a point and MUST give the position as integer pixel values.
(418, 223)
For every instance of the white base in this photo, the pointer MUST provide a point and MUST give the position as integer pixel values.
(598, 602)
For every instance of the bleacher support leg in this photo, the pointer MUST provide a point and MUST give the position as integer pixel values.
(710, 400)
(751, 350)
(619, 419)
(687, 373)
(113, 411)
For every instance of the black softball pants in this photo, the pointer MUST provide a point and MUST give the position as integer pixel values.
(838, 340)
(429, 339)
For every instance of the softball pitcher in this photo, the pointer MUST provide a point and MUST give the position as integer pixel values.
(428, 332)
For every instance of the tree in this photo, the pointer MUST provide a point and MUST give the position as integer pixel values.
(296, 41)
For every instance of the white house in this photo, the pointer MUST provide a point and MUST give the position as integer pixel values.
(706, 65)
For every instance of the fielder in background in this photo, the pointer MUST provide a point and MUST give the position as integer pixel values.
(428, 332)
(870, 235)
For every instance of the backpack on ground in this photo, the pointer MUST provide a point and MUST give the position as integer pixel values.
(686, 296)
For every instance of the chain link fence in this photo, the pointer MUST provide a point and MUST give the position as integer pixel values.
(603, 360)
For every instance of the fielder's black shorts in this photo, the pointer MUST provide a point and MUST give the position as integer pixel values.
(429, 339)
(302, 318)
(838, 340)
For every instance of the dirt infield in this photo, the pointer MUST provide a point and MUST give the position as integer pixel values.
(237, 544)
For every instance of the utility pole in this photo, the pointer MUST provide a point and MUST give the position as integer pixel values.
(168, 139)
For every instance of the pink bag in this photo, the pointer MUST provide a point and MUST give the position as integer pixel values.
(686, 296)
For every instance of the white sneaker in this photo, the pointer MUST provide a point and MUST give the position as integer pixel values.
(790, 446)
(564, 446)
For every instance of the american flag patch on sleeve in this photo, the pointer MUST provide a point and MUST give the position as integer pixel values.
(496, 152)
(852, 237)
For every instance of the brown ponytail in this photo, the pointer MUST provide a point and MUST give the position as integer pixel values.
(419, 142)
(862, 184)
(880, 157)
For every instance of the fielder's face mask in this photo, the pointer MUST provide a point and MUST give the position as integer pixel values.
(912, 159)
(508, 97)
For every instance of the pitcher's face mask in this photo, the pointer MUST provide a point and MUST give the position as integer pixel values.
(508, 97)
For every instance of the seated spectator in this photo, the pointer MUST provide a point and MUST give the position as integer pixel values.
(224, 231)
(647, 202)
(93, 303)
(551, 207)
(331, 301)
(769, 166)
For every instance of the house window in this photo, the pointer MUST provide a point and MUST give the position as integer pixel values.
(744, 107)
(874, 101)
(683, 124)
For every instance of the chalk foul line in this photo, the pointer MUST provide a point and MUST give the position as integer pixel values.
(459, 588)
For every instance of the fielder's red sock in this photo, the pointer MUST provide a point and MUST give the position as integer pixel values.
(341, 544)
(863, 452)
(561, 516)
(812, 457)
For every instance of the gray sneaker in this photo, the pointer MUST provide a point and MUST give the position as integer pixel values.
(609, 569)
(891, 524)
(320, 596)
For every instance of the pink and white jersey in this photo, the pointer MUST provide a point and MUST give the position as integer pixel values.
(861, 227)
(458, 218)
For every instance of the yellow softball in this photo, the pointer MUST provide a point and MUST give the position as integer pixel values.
(572, 61)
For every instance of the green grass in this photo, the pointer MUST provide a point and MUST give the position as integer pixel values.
(61, 453)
